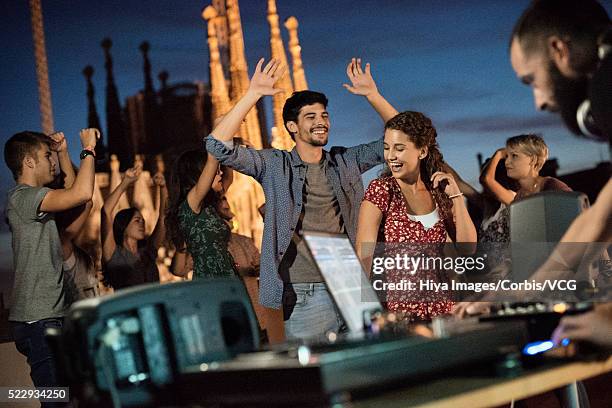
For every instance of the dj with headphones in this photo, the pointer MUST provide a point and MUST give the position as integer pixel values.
(562, 50)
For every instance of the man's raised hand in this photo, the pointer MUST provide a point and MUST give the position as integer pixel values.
(58, 142)
(89, 137)
(262, 82)
(362, 82)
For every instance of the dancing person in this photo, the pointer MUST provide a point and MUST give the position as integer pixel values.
(525, 156)
(306, 188)
(38, 290)
(128, 255)
(193, 222)
(80, 275)
(417, 203)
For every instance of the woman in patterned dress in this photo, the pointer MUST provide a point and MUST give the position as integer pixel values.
(193, 223)
(416, 204)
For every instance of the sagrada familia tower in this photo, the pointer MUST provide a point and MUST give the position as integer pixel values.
(154, 126)
(226, 43)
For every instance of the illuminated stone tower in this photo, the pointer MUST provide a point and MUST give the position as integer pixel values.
(280, 136)
(239, 75)
(245, 194)
(299, 77)
(42, 72)
(218, 87)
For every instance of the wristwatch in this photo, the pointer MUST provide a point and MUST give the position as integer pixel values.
(86, 152)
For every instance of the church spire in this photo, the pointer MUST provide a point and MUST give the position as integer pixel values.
(146, 67)
(118, 142)
(93, 121)
(218, 92)
(249, 130)
(42, 70)
(153, 143)
(299, 78)
(280, 136)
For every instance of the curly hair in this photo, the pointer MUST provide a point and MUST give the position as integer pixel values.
(184, 175)
(421, 131)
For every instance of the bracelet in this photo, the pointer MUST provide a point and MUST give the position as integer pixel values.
(455, 195)
(91, 149)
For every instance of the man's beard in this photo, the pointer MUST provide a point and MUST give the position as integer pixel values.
(318, 142)
(569, 94)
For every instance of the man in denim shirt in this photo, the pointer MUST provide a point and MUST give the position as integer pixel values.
(307, 188)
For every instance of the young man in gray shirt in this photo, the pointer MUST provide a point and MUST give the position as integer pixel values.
(306, 188)
(38, 291)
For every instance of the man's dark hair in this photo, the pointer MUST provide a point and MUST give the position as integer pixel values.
(297, 101)
(19, 146)
(579, 21)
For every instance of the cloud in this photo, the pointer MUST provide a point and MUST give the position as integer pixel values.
(503, 123)
(451, 92)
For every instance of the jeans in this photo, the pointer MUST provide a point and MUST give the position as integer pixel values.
(314, 314)
(30, 341)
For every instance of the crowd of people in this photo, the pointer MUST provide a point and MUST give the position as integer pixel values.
(418, 198)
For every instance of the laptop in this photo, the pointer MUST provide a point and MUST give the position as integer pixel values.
(344, 276)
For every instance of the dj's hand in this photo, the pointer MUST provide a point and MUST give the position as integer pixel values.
(594, 327)
(466, 309)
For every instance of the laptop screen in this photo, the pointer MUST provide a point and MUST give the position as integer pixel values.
(348, 285)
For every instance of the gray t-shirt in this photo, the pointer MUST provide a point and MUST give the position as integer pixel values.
(80, 278)
(321, 212)
(38, 291)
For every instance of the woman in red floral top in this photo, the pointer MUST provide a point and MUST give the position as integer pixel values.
(416, 204)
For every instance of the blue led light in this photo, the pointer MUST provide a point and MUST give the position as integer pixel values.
(537, 347)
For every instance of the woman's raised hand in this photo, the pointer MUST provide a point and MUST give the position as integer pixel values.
(451, 188)
(132, 174)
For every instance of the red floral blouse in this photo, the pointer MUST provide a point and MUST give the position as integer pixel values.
(397, 227)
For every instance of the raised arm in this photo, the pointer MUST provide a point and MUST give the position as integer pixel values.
(466, 231)
(370, 218)
(204, 184)
(468, 191)
(81, 190)
(487, 178)
(363, 84)
(70, 223)
(60, 146)
(262, 83)
(159, 233)
(594, 225)
(108, 239)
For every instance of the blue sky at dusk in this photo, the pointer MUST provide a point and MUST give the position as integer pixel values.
(448, 59)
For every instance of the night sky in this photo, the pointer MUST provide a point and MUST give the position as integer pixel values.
(448, 59)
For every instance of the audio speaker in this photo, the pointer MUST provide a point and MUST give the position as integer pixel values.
(130, 346)
(537, 224)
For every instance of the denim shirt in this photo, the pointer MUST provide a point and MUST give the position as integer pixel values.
(282, 174)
